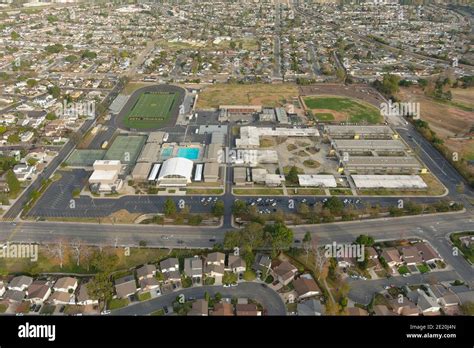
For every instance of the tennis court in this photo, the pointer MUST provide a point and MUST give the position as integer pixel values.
(126, 148)
(85, 158)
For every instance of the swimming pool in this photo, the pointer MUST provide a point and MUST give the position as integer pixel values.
(191, 153)
(166, 152)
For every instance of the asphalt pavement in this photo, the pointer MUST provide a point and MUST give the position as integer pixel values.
(269, 299)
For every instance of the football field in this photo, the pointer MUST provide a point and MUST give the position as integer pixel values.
(151, 110)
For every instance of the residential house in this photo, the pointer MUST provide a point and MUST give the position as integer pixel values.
(193, 267)
(14, 295)
(262, 263)
(83, 298)
(428, 254)
(466, 296)
(310, 307)
(427, 304)
(146, 271)
(38, 292)
(247, 309)
(61, 297)
(216, 258)
(65, 284)
(285, 272)
(215, 264)
(356, 311)
(125, 286)
(223, 309)
(147, 284)
(172, 277)
(169, 265)
(382, 310)
(236, 264)
(392, 257)
(305, 286)
(2, 288)
(20, 283)
(199, 308)
(371, 253)
(411, 255)
(345, 262)
(404, 307)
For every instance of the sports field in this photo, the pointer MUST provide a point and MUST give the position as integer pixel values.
(342, 109)
(151, 110)
(125, 148)
(85, 158)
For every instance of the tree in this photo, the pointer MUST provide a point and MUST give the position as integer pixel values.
(169, 208)
(334, 204)
(218, 209)
(229, 278)
(292, 176)
(307, 243)
(468, 308)
(51, 116)
(31, 83)
(365, 240)
(55, 91)
(14, 35)
(100, 288)
(103, 261)
(281, 237)
(239, 208)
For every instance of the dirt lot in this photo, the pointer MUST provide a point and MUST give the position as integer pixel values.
(255, 94)
(450, 123)
(362, 92)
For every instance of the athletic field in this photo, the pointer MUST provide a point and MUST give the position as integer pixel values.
(125, 148)
(151, 110)
(342, 109)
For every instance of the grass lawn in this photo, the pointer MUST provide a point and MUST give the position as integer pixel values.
(340, 192)
(269, 279)
(210, 191)
(423, 268)
(144, 296)
(159, 312)
(357, 111)
(311, 163)
(117, 303)
(467, 252)
(150, 110)
(3, 308)
(308, 191)
(403, 270)
(257, 192)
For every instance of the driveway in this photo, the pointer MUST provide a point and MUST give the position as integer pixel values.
(269, 299)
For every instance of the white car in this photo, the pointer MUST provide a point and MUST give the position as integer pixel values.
(234, 284)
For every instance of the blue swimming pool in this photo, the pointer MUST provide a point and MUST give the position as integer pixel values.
(166, 152)
(191, 153)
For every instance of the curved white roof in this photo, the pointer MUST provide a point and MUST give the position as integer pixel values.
(176, 167)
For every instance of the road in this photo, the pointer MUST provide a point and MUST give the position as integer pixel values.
(361, 290)
(433, 228)
(269, 299)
